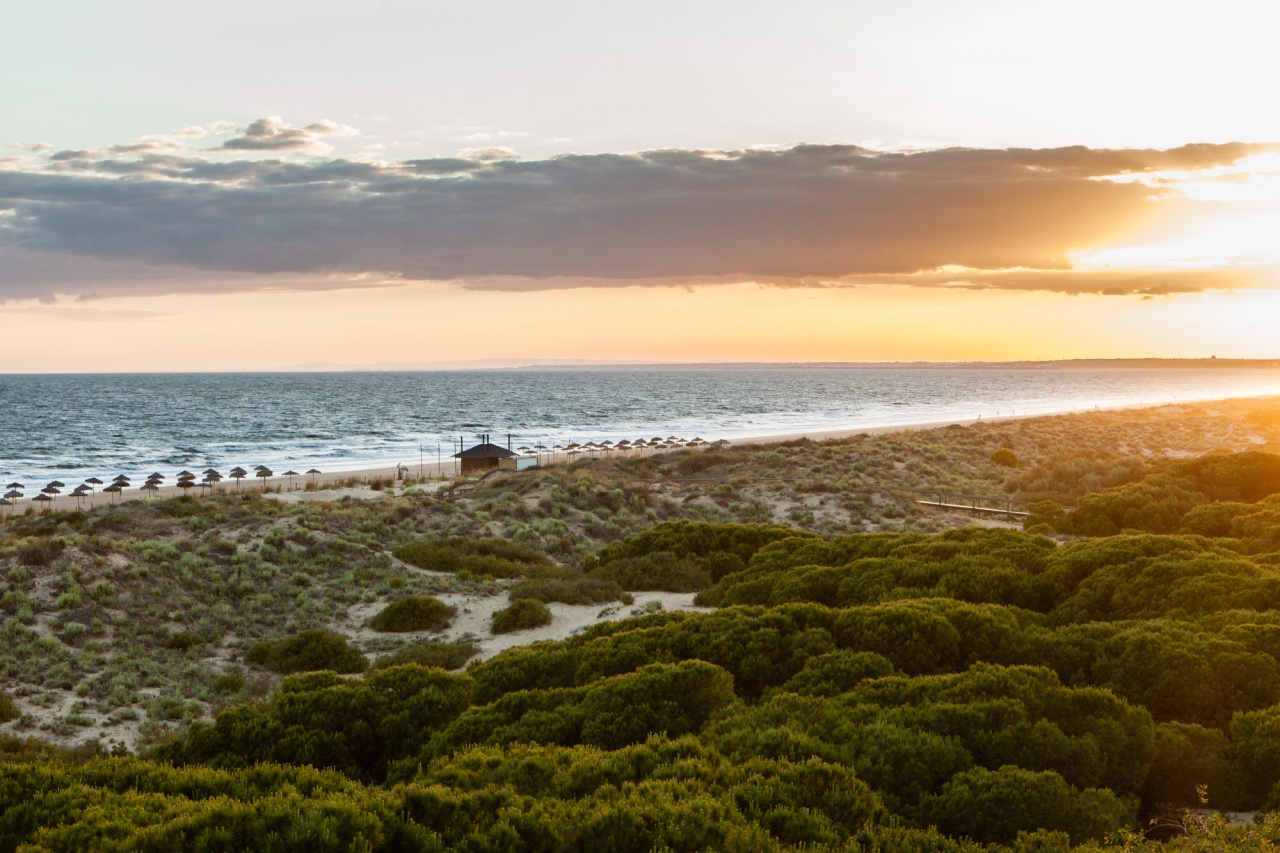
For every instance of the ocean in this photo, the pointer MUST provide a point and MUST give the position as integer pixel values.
(77, 426)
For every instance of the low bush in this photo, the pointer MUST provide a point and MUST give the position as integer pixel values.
(661, 571)
(520, 615)
(441, 655)
(415, 613)
(308, 652)
(40, 551)
(994, 806)
(183, 640)
(232, 681)
(1006, 458)
(579, 590)
(8, 711)
(477, 555)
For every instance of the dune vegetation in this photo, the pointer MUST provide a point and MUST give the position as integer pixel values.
(861, 672)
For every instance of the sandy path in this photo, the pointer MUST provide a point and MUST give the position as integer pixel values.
(475, 615)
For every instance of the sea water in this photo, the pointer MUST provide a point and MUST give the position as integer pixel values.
(76, 426)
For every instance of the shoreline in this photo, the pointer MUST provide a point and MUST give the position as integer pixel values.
(337, 484)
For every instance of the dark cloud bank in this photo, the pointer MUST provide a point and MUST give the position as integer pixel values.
(98, 223)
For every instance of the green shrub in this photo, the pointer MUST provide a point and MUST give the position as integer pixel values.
(8, 711)
(183, 640)
(579, 590)
(993, 806)
(671, 699)
(1006, 458)
(498, 558)
(520, 615)
(40, 551)
(660, 571)
(415, 613)
(440, 655)
(231, 681)
(308, 652)
(353, 725)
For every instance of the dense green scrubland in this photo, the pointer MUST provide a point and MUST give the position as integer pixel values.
(892, 689)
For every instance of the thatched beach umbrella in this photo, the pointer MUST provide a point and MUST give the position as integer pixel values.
(42, 498)
(13, 495)
(120, 478)
(312, 473)
(113, 490)
(264, 472)
(51, 490)
(4, 502)
(93, 481)
(238, 474)
(15, 486)
(186, 475)
(185, 484)
(58, 484)
(155, 475)
(150, 487)
(290, 474)
(79, 492)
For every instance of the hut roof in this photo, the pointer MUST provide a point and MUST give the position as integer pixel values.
(485, 450)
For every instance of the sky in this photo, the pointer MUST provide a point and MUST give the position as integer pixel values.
(268, 185)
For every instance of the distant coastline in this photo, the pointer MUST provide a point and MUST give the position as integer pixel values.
(566, 365)
(1065, 364)
(530, 365)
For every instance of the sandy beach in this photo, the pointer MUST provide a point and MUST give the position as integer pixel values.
(429, 476)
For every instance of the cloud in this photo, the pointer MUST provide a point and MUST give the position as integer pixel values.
(811, 215)
(272, 134)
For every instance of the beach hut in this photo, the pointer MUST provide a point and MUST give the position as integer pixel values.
(483, 457)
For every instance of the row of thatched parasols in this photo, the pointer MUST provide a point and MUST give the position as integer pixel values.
(154, 482)
(638, 446)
